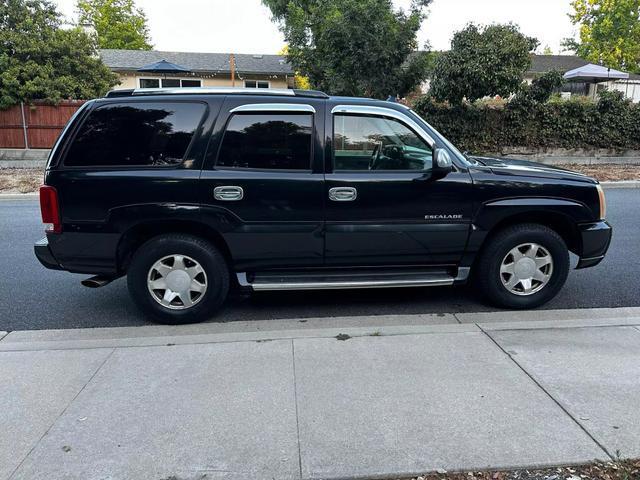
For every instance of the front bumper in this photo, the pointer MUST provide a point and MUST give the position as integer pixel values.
(596, 238)
(44, 255)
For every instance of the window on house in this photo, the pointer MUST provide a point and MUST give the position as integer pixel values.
(169, 82)
(191, 83)
(136, 134)
(270, 141)
(149, 83)
(256, 84)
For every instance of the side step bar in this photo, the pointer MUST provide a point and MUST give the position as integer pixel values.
(270, 281)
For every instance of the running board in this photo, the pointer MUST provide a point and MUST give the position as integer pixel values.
(323, 281)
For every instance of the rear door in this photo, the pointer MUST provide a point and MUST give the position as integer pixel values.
(384, 207)
(262, 185)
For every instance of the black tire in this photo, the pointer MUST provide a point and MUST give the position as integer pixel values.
(487, 269)
(198, 249)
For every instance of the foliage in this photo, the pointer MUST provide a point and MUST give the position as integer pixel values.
(541, 88)
(611, 122)
(609, 32)
(300, 81)
(353, 47)
(482, 62)
(118, 23)
(39, 60)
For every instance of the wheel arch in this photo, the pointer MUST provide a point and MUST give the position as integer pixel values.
(134, 237)
(562, 224)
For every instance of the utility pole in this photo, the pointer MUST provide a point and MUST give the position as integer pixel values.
(232, 65)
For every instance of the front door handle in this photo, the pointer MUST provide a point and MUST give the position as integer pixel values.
(228, 193)
(343, 194)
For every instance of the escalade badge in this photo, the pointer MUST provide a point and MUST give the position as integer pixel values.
(443, 217)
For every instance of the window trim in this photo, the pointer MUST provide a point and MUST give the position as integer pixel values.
(273, 107)
(268, 82)
(233, 113)
(163, 78)
(384, 112)
(197, 132)
(380, 112)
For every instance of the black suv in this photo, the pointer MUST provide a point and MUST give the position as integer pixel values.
(190, 192)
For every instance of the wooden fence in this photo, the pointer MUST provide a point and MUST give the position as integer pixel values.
(35, 126)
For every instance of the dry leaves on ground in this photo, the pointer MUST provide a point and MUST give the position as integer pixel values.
(20, 180)
(620, 470)
(607, 172)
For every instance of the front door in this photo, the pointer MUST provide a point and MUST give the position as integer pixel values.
(262, 186)
(383, 205)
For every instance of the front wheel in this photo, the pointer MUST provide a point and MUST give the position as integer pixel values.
(523, 266)
(178, 278)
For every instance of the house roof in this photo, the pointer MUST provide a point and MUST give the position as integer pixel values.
(562, 63)
(131, 60)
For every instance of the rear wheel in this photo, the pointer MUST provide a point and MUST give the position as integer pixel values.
(178, 278)
(523, 266)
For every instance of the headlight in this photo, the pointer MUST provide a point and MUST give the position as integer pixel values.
(603, 202)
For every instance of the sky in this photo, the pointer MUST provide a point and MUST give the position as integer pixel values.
(245, 26)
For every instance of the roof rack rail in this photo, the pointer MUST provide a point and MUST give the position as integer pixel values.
(216, 90)
(119, 93)
(310, 93)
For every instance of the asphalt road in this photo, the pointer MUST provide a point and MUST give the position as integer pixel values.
(32, 297)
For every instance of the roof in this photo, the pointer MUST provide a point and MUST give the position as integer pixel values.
(131, 60)
(562, 63)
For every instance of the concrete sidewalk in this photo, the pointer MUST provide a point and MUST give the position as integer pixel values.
(394, 396)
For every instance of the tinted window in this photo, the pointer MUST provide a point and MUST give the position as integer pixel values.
(267, 141)
(136, 134)
(376, 143)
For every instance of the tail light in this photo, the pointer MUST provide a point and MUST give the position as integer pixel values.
(50, 209)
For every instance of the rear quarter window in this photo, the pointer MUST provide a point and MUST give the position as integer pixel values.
(135, 134)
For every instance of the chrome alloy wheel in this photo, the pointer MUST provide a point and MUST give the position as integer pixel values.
(526, 269)
(177, 282)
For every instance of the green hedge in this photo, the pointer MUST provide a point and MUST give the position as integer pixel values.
(612, 123)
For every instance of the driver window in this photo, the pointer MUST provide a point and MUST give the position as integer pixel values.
(377, 143)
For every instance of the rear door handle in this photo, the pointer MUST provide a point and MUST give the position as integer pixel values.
(343, 194)
(228, 193)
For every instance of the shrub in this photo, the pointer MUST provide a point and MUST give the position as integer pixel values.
(612, 122)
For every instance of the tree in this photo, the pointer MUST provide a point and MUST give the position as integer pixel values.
(353, 47)
(541, 88)
(609, 32)
(482, 62)
(300, 81)
(118, 23)
(39, 60)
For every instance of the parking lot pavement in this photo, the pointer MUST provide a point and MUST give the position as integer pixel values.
(314, 402)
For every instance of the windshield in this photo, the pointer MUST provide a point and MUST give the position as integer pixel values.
(461, 156)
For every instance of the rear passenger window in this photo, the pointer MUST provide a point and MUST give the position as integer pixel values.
(136, 134)
(267, 141)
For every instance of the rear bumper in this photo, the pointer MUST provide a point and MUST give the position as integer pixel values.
(44, 255)
(596, 238)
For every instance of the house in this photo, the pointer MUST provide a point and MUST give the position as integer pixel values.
(563, 63)
(203, 69)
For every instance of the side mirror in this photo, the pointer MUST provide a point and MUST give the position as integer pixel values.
(442, 163)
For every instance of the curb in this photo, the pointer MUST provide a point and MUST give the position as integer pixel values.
(621, 184)
(158, 335)
(18, 196)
